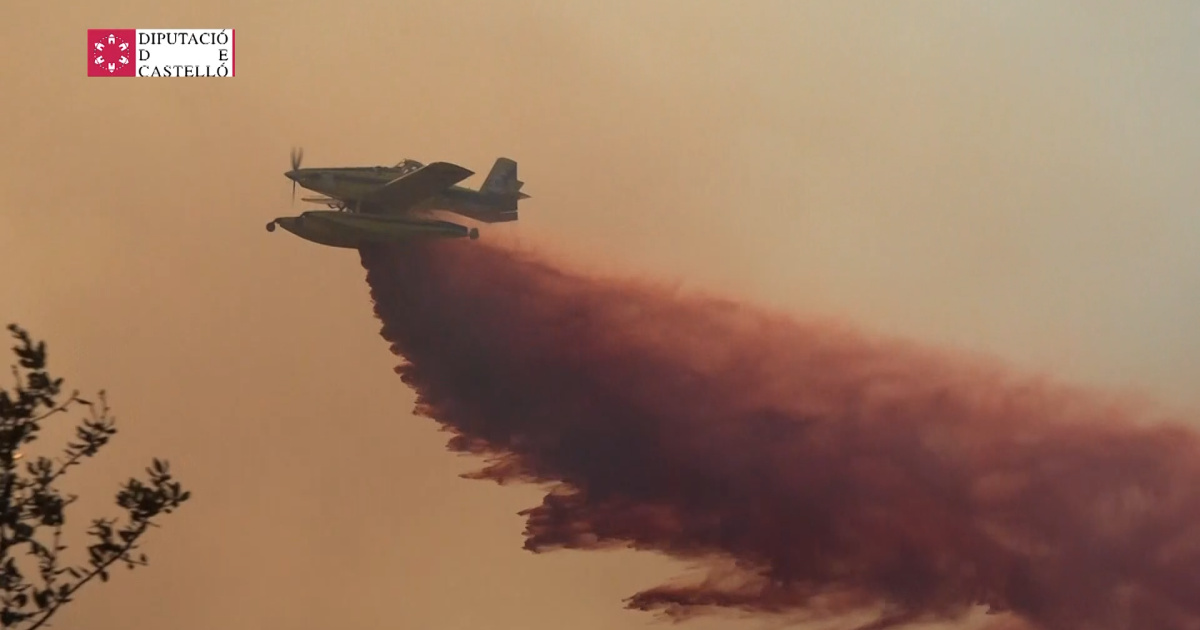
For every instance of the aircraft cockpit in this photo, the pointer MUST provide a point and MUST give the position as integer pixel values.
(407, 166)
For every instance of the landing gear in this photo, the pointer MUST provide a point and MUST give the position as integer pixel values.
(474, 233)
(271, 226)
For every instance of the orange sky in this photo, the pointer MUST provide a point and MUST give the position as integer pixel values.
(1017, 180)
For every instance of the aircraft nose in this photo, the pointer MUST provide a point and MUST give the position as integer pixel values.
(292, 175)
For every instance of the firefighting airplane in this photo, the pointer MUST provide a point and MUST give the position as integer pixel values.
(389, 204)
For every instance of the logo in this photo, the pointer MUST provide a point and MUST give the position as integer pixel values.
(112, 52)
(160, 52)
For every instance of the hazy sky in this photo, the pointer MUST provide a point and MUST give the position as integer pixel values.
(1016, 178)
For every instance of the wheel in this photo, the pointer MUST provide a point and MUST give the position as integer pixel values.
(474, 233)
(271, 226)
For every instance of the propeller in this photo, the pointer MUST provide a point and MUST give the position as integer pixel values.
(297, 157)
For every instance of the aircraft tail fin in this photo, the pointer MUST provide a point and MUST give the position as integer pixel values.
(501, 192)
(502, 179)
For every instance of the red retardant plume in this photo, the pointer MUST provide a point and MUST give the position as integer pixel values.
(815, 471)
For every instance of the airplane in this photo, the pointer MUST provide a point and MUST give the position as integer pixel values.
(388, 204)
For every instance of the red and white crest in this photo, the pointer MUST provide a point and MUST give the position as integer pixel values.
(112, 52)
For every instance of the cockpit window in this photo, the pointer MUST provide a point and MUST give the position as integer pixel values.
(407, 166)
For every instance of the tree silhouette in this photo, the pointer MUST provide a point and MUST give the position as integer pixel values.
(36, 580)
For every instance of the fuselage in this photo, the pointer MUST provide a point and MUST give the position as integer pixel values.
(352, 185)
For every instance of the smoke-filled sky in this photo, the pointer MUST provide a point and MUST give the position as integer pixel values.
(1014, 179)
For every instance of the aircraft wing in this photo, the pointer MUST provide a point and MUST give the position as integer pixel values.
(429, 180)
